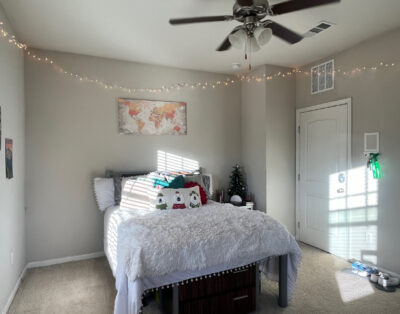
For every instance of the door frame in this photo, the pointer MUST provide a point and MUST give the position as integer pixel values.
(342, 102)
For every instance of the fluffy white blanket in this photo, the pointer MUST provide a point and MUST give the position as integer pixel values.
(163, 242)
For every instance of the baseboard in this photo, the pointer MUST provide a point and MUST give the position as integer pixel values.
(391, 273)
(48, 262)
(62, 260)
(14, 291)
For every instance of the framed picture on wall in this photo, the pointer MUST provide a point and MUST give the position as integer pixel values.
(9, 158)
(151, 117)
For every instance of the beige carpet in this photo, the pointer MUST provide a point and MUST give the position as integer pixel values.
(323, 286)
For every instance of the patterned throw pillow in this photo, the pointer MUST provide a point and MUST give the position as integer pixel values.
(200, 179)
(203, 195)
(176, 198)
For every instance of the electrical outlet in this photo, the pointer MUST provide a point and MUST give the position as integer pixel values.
(12, 257)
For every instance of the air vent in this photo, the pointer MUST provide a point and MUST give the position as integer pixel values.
(323, 77)
(322, 26)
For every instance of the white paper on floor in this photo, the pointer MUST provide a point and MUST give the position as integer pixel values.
(352, 286)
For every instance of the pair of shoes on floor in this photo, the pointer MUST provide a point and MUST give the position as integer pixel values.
(363, 269)
(384, 282)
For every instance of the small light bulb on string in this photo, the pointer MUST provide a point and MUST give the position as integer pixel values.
(349, 73)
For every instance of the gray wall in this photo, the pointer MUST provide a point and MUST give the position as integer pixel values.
(72, 136)
(268, 143)
(281, 147)
(253, 106)
(12, 213)
(376, 107)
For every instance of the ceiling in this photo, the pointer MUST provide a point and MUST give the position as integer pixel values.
(139, 31)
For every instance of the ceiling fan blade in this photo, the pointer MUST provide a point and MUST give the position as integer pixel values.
(245, 3)
(226, 44)
(284, 33)
(201, 19)
(296, 5)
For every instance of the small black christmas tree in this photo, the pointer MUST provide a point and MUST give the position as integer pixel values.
(237, 185)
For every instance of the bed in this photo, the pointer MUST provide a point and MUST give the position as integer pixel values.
(167, 250)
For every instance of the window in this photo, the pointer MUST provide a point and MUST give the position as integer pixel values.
(322, 77)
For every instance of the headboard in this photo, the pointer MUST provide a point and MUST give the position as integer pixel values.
(207, 178)
(124, 174)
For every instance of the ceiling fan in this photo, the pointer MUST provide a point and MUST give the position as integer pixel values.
(255, 30)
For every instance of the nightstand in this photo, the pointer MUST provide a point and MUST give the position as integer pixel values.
(248, 206)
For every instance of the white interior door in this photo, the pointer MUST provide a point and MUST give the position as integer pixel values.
(323, 150)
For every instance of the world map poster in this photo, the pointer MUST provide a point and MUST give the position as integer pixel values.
(148, 117)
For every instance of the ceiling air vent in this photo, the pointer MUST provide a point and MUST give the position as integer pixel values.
(322, 26)
(323, 77)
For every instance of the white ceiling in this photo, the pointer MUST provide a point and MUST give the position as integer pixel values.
(139, 30)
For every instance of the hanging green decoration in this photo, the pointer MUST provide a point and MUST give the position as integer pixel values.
(374, 166)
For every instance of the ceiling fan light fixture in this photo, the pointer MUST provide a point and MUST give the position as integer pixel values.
(238, 39)
(262, 35)
(252, 44)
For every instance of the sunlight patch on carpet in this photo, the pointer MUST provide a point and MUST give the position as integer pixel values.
(353, 287)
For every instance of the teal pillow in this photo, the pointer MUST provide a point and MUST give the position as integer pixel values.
(177, 183)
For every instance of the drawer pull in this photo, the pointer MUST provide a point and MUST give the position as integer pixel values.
(240, 271)
(240, 298)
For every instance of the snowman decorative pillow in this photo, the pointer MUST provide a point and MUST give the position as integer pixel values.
(178, 198)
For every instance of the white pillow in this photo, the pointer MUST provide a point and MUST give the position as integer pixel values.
(104, 192)
(176, 198)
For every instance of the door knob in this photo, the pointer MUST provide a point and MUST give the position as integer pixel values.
(341, 190)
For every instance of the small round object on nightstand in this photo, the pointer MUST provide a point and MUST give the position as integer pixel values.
(236, 200)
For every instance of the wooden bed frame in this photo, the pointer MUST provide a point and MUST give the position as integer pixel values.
(233, 291)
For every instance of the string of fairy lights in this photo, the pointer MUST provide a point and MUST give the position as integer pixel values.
(210, 84)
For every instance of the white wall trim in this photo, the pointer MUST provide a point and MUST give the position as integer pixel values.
(390, 273)
(48, 262)
(14, 291)
(63, 260)
(345, 101)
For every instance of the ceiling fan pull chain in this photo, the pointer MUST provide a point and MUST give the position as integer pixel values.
(245, 49)
(250, 54)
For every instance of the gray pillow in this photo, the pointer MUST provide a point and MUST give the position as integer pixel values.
(118, 186)
(117, 189)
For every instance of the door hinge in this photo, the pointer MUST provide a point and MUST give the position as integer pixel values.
(298, 129)
(298, 224)
(298, 177)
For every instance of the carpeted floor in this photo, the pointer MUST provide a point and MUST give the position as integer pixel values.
(324, 286)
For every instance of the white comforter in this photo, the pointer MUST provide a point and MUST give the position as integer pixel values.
(164, 247)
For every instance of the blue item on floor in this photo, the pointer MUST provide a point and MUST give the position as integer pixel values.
(362, 269)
